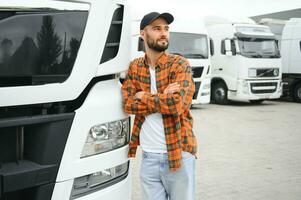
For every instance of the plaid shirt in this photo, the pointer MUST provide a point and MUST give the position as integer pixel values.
(174, 107)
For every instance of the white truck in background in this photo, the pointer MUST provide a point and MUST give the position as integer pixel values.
(288, 34)
(190, 41)
(63, 132)
(246, 61)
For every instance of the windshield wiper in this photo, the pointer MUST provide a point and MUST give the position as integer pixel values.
(194, 55)
(267, 52)
(270, 54)
(253, 54)
(175, 53)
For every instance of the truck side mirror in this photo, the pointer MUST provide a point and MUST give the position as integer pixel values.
(236, 46)
(141, 46)
(228, 47)
(211, 46)
(233, 47)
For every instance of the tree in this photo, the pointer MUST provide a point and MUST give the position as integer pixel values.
(49, 45)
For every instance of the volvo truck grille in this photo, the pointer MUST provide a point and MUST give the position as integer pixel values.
(262, 88)
(271, 72)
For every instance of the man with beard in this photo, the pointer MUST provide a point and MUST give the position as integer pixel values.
(158, 90)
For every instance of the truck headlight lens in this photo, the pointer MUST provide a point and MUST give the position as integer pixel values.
(252, 73)
(93, 182)
(106, 137)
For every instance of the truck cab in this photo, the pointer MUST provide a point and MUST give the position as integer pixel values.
(63, 132)
(246, 62)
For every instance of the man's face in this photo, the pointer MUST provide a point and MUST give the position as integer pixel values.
(156, 35)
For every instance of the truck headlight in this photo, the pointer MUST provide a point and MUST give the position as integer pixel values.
(252, 73)
(106, 137)
(96, 181)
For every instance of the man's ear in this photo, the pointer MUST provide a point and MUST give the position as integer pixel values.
(142, 34)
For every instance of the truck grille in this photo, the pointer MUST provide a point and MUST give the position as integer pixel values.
(262, 88)
(269, 72)
(31, 149)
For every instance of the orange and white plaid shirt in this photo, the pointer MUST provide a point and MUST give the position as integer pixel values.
(174, 107)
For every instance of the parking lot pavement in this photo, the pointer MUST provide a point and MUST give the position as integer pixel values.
(246, 152)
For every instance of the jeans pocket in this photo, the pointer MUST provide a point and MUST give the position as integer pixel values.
(145, 155)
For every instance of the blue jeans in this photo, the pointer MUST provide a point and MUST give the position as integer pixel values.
(158, 183)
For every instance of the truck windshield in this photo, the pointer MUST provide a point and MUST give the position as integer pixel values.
(258, 48)
(189, 45)
(39, 47)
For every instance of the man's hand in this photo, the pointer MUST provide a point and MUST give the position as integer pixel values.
(139, 95)
(172, 88)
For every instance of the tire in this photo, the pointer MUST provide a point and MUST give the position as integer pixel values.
(219, 94)
(256, 102)
(297, 93)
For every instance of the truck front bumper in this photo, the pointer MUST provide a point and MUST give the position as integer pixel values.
(256, 90)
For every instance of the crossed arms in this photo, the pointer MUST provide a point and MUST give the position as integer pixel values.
(174, 100)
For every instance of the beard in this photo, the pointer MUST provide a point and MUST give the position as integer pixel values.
(154, 45)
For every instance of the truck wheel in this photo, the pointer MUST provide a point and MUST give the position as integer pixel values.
(220, 93)
(256, 102)
(297, 93)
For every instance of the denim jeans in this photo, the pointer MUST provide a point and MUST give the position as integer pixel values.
(158, 183)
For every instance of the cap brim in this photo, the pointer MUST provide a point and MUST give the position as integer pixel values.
(167, 16)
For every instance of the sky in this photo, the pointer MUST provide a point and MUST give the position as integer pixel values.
(186, 9)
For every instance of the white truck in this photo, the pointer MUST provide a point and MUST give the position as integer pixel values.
(63, 132)
(289, 39)
(246, 61)
(191, 42)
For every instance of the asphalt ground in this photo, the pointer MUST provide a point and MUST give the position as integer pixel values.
(246, 152)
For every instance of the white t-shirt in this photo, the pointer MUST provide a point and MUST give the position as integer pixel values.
(152, 137)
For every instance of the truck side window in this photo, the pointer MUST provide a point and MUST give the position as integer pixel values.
(39, 47)
(211, 47)
(223, 49)
(300, 45)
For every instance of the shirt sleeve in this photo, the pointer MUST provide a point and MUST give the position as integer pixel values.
(129, 89)
(178, 102)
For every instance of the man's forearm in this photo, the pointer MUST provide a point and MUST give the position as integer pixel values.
(136, 107)
(164, 103)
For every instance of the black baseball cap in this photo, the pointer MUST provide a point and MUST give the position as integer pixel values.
(150, 17)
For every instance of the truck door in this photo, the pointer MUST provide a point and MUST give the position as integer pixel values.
(228, 63)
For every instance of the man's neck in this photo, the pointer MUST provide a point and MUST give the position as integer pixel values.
(153, 57)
